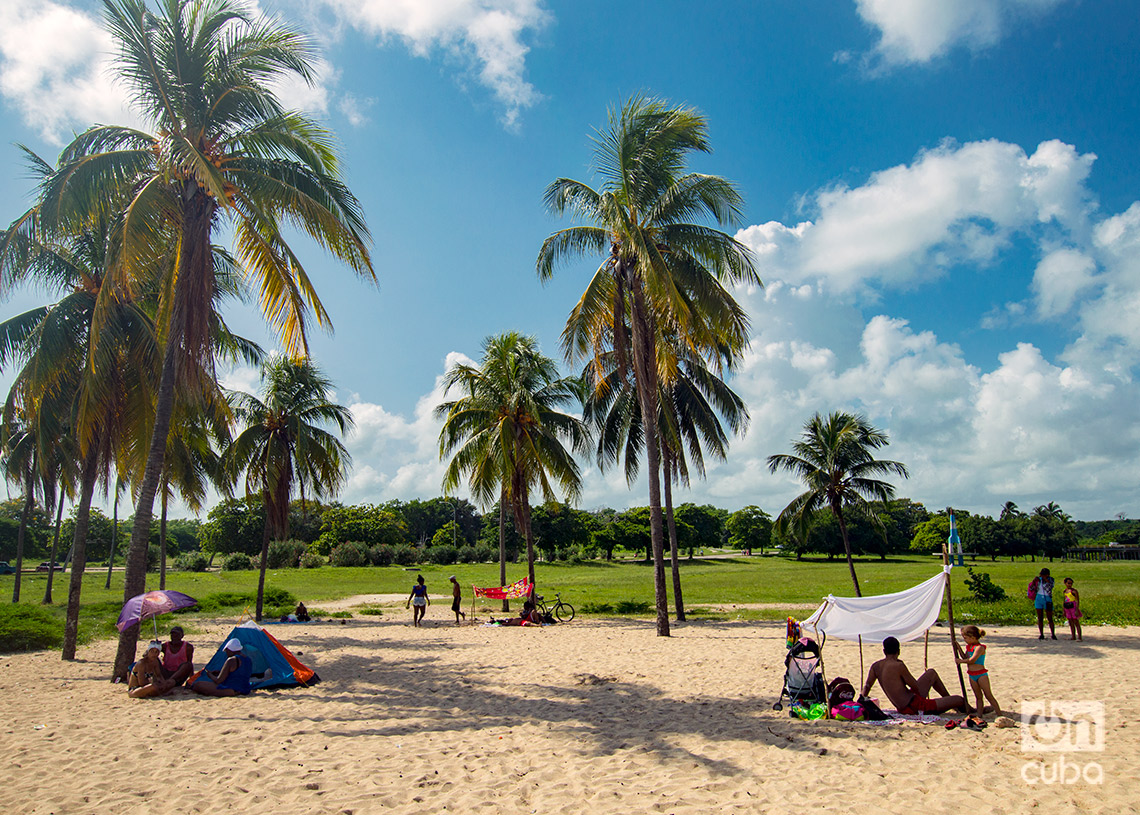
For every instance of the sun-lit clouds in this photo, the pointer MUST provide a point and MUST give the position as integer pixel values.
(487, 35)
(918, 31)
(956, 203)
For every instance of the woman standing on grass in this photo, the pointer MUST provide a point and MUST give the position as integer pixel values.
(419, 601)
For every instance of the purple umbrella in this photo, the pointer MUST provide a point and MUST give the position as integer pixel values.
(151, 604)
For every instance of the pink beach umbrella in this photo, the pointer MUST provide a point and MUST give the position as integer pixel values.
(150, 605)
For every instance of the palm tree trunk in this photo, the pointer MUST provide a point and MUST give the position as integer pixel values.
(135, 579)
(114, 537)
(162, 545)
(261, 575)
(79, 551)
(29, 503)
(503, 545)
(678, 602)
(847, 549)
(54, 549)
(645, 379)
(524, 506)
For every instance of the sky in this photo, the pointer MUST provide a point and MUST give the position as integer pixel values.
(943, 200)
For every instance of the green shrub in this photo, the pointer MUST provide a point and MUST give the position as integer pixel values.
(982, 588)
(443, 554)
(597, 608)
(350, 553)
(237, 562)
(28, 628)
(286, 554)
(381, 555)
(153, 557)
(371, 611)
(312, 560)
(191, 562)
(405, 555)
(631, 607)
(486, 554)
(272, 598)
(467, 554)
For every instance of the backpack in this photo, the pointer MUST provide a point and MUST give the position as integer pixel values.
(839, 690)
(1032, 590)
(848, 711)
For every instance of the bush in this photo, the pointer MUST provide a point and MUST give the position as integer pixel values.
(286, 554)
(153, 557)
(467, 554)
(631, 607)
(28, 628)
(381, 555)
(597, 608)
(191, 562)
(237, 562)
(312, 560)
(273, 601)
(405, 555)
(982, 588)
(486, 554)
(443, 554)
(351, 553)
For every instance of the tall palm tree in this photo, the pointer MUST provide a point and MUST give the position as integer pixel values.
(691, 401)
(657, 266)
(1050, 510)
(224, 154)
(1010, 511)
(20, 461)
(835, 459)
(283, 444)
(508, 434)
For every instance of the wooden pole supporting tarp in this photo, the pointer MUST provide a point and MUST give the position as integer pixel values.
(950, 622)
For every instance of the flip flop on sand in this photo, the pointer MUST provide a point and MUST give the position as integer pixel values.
(950, 725)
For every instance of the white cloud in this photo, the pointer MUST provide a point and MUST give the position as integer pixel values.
(918, 31)
(354, 108)
(1059, 278)
(486, 34)
(952, 204)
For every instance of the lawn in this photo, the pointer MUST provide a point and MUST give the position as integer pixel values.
(1110, 592)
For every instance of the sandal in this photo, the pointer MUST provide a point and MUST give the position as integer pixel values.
(973, 725)
(950, 725)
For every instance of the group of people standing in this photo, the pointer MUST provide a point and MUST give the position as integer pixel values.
(1041, 593)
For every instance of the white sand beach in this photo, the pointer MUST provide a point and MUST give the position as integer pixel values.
(593, 716)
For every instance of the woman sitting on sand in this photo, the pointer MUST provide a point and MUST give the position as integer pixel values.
(528, 616)
(234, 677)
(146, 677)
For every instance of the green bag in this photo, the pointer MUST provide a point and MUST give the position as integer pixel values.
(816, 711)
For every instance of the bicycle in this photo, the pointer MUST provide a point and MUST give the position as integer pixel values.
(560, 609)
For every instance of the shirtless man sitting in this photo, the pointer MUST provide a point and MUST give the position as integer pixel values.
(907, 693)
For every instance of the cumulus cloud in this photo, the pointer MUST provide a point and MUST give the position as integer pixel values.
(918, 31)
(487, 35)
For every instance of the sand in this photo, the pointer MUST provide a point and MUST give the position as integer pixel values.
(593, 716)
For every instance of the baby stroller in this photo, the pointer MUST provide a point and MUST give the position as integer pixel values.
(803, 674)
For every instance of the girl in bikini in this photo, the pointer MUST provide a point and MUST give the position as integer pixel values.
(975, 662)
(1072, 609)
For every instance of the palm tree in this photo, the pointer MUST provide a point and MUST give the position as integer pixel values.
(20, 464)
(1050, 510)
(657, 267)
(835, 460)
(284, 444)
(224, 154)
(508, 434)
(1010, 511)
(691, 400)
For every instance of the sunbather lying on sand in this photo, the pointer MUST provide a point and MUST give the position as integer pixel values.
(907, 693)
(528, 616)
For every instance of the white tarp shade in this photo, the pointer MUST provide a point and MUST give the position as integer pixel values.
(905, 615)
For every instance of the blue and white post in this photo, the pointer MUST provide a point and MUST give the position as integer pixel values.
(954, 541)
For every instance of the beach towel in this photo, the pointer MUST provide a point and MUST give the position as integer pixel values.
(521, 588)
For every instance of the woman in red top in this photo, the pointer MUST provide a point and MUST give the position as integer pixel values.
(177, 657)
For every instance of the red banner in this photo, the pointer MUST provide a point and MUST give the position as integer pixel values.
(518, 589)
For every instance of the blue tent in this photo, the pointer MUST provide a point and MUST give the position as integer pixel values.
(273, 665)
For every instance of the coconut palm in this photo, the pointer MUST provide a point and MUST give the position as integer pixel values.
(283, 443)
(1010, 511)
(656, 267)
(1050, 510)
(691, 402)
(835, 459)
(508, 434)
(224, 154)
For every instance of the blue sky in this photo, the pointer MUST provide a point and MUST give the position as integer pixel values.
(942, 198)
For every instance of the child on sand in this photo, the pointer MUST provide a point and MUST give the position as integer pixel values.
(975, 661)
(1072, 609)
(419, 600)
(456, 599)
(1042, 587)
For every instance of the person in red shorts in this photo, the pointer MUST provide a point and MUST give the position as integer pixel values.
(908, 694)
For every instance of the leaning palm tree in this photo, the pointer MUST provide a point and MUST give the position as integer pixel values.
(224, 154)
(657, 266)
(835, 459)
(691, 401)
(283, 443)
(508, 433)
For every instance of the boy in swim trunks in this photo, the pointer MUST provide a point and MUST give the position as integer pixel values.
(456, 599)
(909, 695)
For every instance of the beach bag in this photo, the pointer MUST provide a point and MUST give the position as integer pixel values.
(1032, 591)
(871, 711)
(816, 711)
(848, 711)
(839, 690)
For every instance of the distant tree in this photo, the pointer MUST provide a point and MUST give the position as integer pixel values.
(707, 524)
(750, 528)
(233, 525)
(1010, 510)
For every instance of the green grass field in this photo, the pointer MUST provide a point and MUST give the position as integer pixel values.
(1110, 592)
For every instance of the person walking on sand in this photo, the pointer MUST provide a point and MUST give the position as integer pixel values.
(1041, 588)
(975, 661)
(456, 599)
(1071, 608)
(419, 601)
